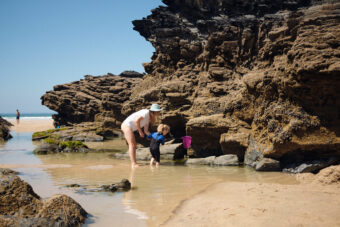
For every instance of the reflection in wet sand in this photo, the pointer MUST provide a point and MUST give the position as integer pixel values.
(99, 167)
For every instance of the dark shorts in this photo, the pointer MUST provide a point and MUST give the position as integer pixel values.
(18, 117)
(156, 154)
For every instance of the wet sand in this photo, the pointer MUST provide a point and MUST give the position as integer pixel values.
(31, 125)
(260, 204)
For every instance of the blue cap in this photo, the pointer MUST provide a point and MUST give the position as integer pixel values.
(155, 107)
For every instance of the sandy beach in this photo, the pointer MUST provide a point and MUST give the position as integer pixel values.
(261, 204)
(31, 125)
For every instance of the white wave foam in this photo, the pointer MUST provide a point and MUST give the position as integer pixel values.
(140, 215)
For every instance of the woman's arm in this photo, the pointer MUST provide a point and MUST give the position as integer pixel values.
(141, 134)
(146, 129)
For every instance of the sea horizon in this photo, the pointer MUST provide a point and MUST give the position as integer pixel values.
(9, 116)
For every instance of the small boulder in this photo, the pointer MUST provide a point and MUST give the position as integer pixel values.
(268, 164)
(201, 161)
(223, 160)
(310, 167)
(62, 210)
(329, 175)
(226, 160)
(73, 185)
(123, 185)
(4, 171)
(172, 151)
(46, 148)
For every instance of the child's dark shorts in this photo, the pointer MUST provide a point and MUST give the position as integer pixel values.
(156, 154)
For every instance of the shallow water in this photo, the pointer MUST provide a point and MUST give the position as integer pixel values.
(156, 192)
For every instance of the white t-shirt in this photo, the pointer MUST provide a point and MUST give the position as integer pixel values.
(131, 120)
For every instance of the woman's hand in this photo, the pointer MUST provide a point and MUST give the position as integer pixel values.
(141, 134)
(146, 130)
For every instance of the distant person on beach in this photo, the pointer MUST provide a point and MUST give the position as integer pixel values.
(135, 122)
(18, 116)
(157, 138)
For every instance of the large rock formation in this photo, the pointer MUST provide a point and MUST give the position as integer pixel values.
(4, 129)
(92, 98)
(21, 206)
(256, 78)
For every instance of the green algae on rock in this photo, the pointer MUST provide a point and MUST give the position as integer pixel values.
(53, 145)
(71, 144)
(44, 134)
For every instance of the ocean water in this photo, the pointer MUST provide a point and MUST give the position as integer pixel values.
(9, 116)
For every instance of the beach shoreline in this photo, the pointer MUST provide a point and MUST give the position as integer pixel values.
(31, 124)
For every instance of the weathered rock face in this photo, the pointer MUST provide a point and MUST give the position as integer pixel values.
(257, 79)
(247, 76)
(92, 98)
(21, 206)
(4, 129)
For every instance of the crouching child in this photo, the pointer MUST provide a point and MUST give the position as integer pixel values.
(157, 138)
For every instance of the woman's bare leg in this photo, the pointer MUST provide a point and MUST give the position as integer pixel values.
(151, 161)
(131, 140)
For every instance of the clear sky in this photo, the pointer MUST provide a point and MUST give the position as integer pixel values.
(46, 42)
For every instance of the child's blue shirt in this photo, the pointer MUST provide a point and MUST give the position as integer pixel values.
(158, 137)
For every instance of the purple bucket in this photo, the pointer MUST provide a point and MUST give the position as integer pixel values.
(186, 141)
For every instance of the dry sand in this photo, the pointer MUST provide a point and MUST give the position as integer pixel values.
(262, 204)
(31, 125)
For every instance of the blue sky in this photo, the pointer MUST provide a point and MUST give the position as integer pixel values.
(45, 42)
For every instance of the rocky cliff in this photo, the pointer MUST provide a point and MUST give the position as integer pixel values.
(92, 98)
(254, 78)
